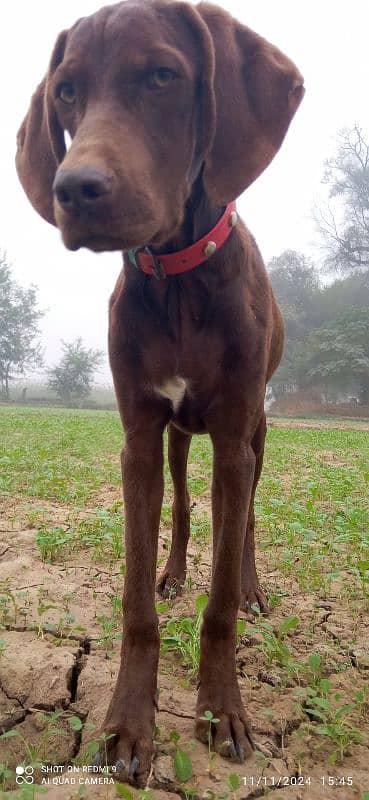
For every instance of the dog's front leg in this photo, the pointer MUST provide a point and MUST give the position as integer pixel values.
(131, 713)
(234, 465)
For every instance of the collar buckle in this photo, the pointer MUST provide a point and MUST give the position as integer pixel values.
(156, 265)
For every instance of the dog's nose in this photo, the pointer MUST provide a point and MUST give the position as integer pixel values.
(80, 189)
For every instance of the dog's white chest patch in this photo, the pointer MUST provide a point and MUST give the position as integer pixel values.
(174, 390)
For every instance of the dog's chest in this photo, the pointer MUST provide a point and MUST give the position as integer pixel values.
(174, 390)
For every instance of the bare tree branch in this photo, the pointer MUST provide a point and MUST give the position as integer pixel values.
(343, 223)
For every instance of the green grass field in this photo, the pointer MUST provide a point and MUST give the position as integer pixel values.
(60, 491)
(314, 482)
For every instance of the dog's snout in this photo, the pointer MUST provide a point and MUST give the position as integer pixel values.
(81, 188)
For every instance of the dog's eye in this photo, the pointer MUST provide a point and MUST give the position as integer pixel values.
(66, 93)
(161, 77)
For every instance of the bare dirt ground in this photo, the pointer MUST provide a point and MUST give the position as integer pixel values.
(74, 672)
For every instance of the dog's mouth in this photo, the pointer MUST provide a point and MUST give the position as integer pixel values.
(99, 244)
(104, 242)
(81, 235)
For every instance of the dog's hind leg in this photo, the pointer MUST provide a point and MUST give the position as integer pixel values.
(251, 593)
(173, 576)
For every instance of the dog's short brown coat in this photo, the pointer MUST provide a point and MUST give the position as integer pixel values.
(173, 111)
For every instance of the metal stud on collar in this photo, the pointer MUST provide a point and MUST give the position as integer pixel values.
(209, 249)
(233, 218)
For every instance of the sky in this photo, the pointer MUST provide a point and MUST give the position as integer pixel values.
(327, 41)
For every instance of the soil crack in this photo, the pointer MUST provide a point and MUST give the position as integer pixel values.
(10, 697)
(82, 639)
(7, 723)
(175, 713)
(80, 659)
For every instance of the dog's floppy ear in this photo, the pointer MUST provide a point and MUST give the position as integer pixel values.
(257, 91)
(40, 142)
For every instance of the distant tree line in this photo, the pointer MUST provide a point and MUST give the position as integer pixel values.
(327, 326)
(327, 330)
(21, 352)
(19, 318)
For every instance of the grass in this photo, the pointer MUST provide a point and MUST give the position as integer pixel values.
(313, 506)
(58, 454)
(312, 502)
(100, 532)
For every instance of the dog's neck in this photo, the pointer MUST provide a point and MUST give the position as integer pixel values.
(167, 299)
(201, 215)
(204, 225)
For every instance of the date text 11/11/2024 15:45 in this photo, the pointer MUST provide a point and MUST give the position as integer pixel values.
(280, 781)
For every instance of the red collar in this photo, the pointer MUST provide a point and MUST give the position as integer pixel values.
(189, 258)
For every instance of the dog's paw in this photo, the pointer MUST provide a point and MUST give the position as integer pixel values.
(230, 733)
(129, 756)
(254, 601)
(170, 585)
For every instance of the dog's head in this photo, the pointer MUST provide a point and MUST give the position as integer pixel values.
(154, 94)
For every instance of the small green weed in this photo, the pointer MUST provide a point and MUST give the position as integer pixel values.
(5, 774)
(166, 514)
(54, 542)
(233, 784)
(9, 607)
(111, 626)
(209, 717)
(101, 533)
(182, 636)
(124, 791)
(200, 527)
(323, 705)
(34, 516)
(96, 743)
(274, 645)
(182, 761)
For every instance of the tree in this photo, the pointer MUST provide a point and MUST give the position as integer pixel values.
(296, 285)
(338, 356)
(327, 333)
(72, 379)
(344, 293)
(343, 221)
(19, 316)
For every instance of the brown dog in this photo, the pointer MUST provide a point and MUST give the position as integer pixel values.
(173, 111)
